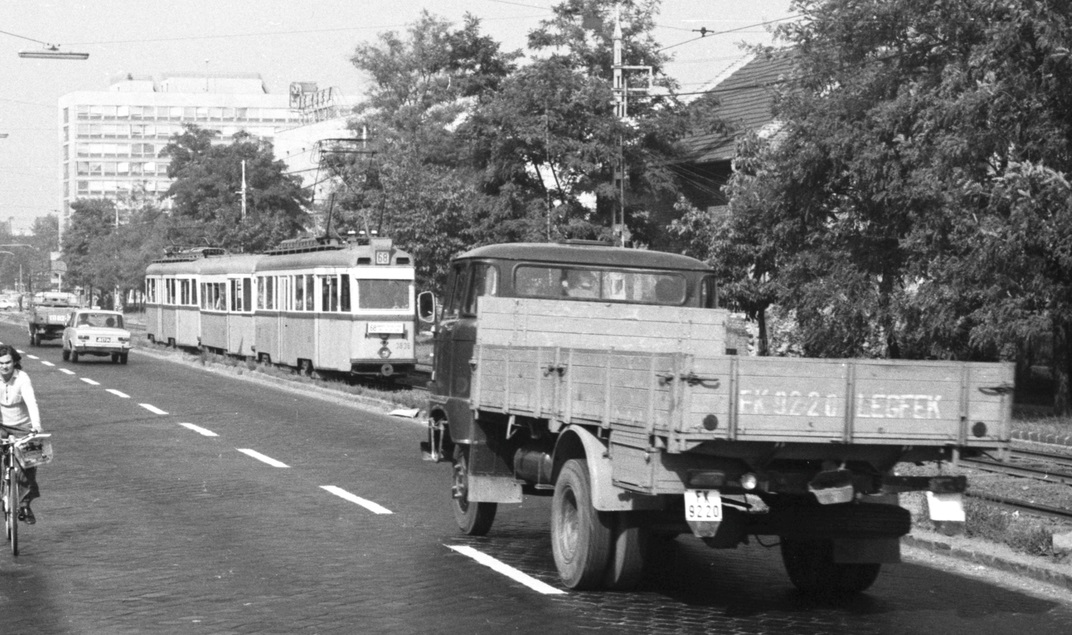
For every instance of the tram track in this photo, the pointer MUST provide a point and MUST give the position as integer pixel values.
(1034, 466)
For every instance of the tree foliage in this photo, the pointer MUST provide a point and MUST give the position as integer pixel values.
(916, 195)
(207, 192)
(507, 152)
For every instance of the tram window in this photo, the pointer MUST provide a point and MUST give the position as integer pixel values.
(266, 293)
(188, 296)
(303, 293)
(150, 290)
(383, 294)
(169, 291)
(344, 293)
(240, 293)
(485, 281)
(329, 293)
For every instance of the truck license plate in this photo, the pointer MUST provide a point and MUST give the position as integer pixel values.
(104, 339)
(703, 504)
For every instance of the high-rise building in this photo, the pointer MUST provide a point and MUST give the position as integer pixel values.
(111, 139)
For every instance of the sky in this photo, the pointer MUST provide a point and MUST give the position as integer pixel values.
(282, 40)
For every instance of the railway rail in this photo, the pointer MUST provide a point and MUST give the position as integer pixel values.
(1028, 464)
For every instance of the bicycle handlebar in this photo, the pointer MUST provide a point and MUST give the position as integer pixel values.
(13, 440)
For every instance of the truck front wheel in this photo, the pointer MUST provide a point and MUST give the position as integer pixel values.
(811, 567)
(580, 535)
(474, 519)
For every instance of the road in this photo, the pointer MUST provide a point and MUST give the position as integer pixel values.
(185, 501)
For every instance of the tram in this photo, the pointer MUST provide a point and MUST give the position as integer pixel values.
(310, 303)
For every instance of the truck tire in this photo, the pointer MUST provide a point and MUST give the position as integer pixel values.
(474, 519)
(66, 353)
(74, 356)
(630, 549)
(580, 535)
(123, 358)
(35, 338)
(811, 567)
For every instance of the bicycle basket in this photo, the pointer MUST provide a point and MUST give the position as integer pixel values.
(33, 453)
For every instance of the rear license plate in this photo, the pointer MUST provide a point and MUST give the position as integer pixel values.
(104, 339)
(703, 504)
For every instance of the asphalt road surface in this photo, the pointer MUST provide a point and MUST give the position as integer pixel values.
(186, 501)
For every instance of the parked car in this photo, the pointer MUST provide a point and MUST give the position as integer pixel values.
(96, 332)
(8, 303)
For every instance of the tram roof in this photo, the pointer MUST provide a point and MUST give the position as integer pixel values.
(347, 255)
(586, 253)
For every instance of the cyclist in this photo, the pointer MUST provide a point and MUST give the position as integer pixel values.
(19, 416)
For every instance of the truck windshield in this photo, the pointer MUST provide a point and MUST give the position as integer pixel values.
(638, 287)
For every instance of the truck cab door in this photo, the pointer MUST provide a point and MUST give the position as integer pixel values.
(456, 340)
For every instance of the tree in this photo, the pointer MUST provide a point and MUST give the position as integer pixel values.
(207, 190)
(895, 195)
(563, 139)
(92, 221)
(417, 186)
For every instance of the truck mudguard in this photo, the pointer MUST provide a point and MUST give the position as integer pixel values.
(606, 496)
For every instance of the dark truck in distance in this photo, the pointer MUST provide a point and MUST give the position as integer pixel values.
(600, 376)
(48, 315)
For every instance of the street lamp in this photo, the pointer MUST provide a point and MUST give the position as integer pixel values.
(52, 52)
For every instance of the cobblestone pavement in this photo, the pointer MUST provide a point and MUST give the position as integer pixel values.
(150, 526)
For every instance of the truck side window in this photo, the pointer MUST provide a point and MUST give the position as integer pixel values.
(709, 293)
(455, 290)
(484, 281)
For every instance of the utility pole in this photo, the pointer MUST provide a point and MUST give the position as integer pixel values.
(621, 109)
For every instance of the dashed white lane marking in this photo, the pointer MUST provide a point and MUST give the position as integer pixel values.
(117, 393)
(33, 356)
(260, 457)
(367, 504)
(89, 381)
(507, 570)
(67, 371)
(199, 430)
(46, 363)
(153, 409)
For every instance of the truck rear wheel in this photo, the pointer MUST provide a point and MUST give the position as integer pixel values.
(35, 339)
(811, 567)
(580, 535)
(474, 519)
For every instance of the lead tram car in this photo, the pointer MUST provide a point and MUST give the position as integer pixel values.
(604, 377)
(311, 303)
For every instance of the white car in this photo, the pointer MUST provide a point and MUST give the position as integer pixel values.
(96, 332)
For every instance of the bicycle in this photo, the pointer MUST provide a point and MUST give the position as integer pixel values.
(11, 450)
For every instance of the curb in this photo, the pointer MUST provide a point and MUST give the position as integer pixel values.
(978, 555)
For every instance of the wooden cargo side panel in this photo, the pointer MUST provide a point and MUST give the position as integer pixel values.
(515, 380)
(778, 398)
(616, 388)
(601, 326)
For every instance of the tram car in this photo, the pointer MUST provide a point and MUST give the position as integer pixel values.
(310, 303)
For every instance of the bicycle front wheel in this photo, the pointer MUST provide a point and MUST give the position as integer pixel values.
(11, 511)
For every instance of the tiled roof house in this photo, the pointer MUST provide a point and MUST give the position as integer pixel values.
(743, 101)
